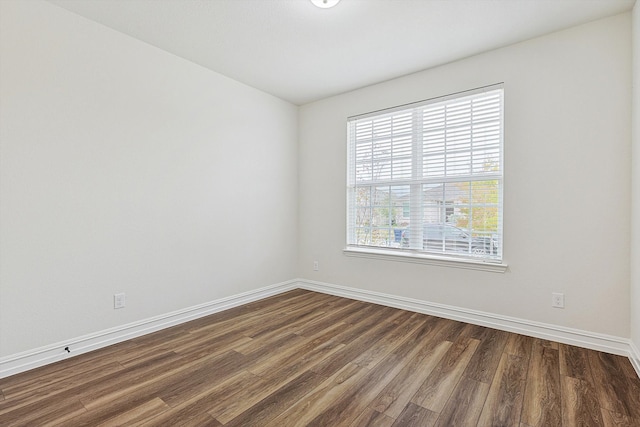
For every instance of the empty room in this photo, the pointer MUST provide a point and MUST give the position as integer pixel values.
(320, 212)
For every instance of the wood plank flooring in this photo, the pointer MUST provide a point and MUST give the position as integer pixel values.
(305, 358)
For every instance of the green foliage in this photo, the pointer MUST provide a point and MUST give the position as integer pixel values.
(481, 213)
(376, 210)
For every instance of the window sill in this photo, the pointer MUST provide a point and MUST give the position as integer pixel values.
(418, 258)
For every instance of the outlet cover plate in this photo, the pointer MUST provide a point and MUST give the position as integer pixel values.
(119, 300)
(557, 300)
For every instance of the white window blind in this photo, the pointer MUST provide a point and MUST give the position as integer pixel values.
(428, 177)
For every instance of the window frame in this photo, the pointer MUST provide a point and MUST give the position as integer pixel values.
(417, 252)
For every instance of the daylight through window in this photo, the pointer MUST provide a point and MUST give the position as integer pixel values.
(428, 177)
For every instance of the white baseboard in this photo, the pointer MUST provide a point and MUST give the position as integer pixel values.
(25, 361)
(577, 337)
(635, 357)
(21, 362)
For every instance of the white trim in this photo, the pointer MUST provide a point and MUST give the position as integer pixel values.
(21, 362)
(31, 359)
(634, 357)
(418, 258)
(577, 337)
(438, 99)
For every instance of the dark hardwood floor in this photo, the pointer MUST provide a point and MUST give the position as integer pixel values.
(304, 358)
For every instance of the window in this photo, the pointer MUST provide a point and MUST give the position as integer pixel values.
(427, 178)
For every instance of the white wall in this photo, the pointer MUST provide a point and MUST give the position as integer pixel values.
(635, 196)
(567, 182)
(127, 169)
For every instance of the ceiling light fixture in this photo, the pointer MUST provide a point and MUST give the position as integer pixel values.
(325, 4)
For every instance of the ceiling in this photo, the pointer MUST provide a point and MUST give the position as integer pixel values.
(301, 53)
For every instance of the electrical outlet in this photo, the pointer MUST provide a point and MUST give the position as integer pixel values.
(316, 266)
(557, 300)
(119, 300)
